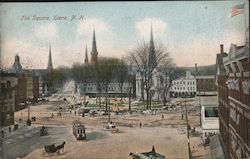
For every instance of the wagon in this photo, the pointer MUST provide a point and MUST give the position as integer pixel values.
(50, 148)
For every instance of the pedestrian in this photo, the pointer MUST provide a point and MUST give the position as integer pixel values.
(70, 111)
(162, 116)
(75, 112)
(2, 134)
(34, 118)
(9, 129)
(52, 115)
(140, 124)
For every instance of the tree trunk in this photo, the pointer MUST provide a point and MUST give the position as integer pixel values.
(158, 98)
(150, 102)
(121, 95)
(147, 99)
(106, 99)
(84, 99)
(129, 100)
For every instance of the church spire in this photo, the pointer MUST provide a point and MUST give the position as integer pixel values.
(152, 55)
(94, 49)
(50, 67)
(94, 52)
(151, 35)
(86, 56)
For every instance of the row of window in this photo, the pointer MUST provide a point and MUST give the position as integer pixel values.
(183, 88)
(110, 89)
(6, 90)
(183, 82)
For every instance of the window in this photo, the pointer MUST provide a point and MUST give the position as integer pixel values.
(8, 84)
(211, 112)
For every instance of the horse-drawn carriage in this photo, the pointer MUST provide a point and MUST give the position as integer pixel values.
(110, 126)
(79, 130)
(53, 148)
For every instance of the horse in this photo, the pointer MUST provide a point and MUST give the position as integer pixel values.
(59, 147)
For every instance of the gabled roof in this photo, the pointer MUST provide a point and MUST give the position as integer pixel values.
(220, 69)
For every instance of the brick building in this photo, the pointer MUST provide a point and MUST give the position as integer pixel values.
(233, 83)
(7, 99)
(27, 90)
(206, 85)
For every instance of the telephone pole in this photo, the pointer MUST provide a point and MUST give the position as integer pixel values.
(198, 88)
(189, 151)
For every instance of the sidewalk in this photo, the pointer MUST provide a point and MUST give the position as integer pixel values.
(216, 148)
(6, 129)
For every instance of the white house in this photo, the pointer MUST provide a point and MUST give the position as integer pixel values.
(184, 85)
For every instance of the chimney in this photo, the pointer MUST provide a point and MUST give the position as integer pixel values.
(221, 48)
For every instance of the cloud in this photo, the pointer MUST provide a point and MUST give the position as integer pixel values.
(203, 51)
(86, 27)
(31, 56)
(143, 27)
(47, 31)
(108, 43)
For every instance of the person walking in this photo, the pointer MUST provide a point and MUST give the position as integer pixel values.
(140, 124)
(2, 134)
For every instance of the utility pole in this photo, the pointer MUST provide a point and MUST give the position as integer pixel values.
(28, 122)
(189, 151)
(198, 91)
(109, 108)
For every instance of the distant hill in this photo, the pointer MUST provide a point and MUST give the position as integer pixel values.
(202, 70)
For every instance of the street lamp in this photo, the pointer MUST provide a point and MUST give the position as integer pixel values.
(28, 122)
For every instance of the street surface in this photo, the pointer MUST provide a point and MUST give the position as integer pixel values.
(167, 134)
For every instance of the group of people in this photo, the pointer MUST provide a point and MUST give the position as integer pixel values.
(33, 118)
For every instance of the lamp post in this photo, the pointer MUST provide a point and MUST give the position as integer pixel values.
(196, 70)
(28, 122)
(189, 151)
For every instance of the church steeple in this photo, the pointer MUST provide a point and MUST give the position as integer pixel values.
(86, 56)
(17, 67)
(50, 66)
(152, 55)
(94, 52)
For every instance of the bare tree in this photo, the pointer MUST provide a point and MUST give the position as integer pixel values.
(141, 56)
(166, 75)
(108, 67)
(122, 75)
(81, 74)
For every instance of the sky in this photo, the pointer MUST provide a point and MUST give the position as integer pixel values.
(192, 31)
